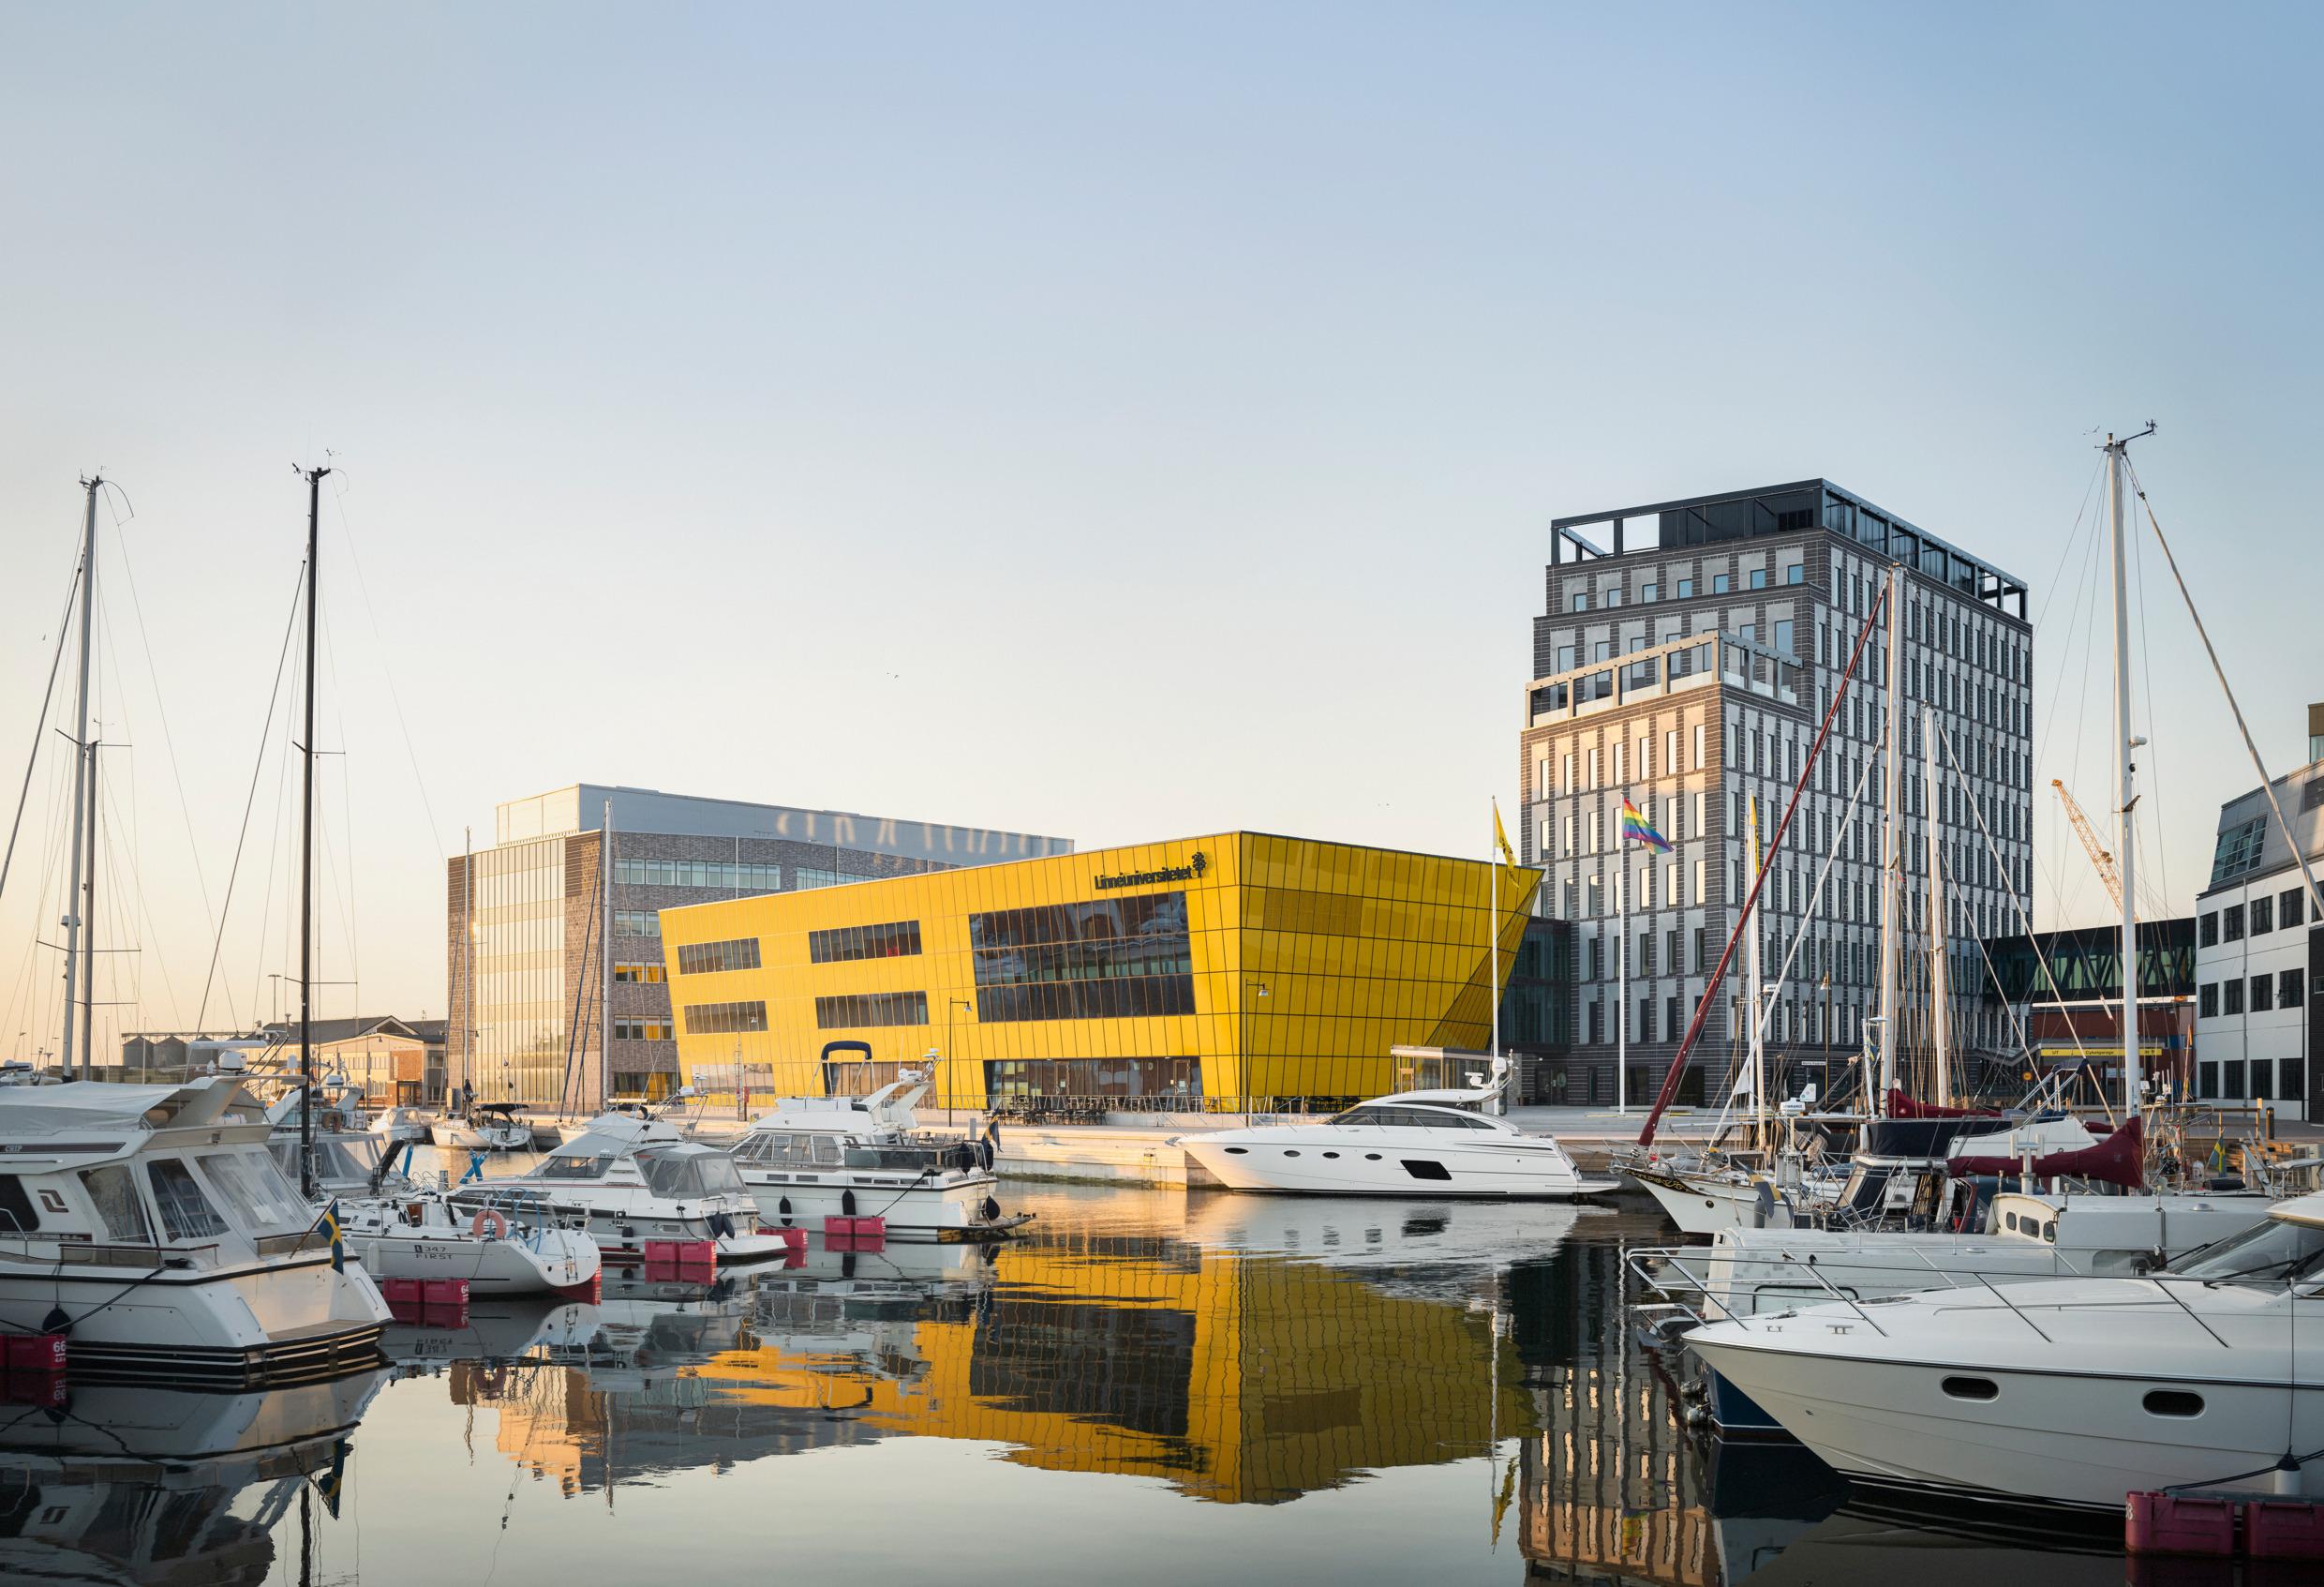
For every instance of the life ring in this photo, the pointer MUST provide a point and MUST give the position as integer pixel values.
(493, 1216)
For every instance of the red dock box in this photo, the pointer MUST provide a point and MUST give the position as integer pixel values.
(36, 1352)
(402, 1294)
(795, 1240)
(2175, 1523)
(445, 1293)
(686, 1261)
(2283, 1529)
(855, 1228)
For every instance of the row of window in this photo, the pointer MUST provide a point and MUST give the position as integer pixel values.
(870, 1009)
(724, 1019)
(806, 876)
(654, 1029)
(725, 875)
(2232, 923)
(640, 974)
(2264, 1081)
(892, 939)
(1136, 915)
(1134, 997)
(707, 958)
(637, 923)
(1650, 590)
(2283, 990)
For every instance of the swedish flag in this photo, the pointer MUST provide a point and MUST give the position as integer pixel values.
(329, 1224)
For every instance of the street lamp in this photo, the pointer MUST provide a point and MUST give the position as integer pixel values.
(1261, 986)
(955, 1004)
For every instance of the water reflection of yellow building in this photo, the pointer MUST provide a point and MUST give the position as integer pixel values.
(1238, 1379)
(1244, 1379)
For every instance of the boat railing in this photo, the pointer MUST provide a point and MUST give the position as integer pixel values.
(108, 1253)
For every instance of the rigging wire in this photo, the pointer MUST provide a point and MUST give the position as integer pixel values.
(169, 742)
(2316, 896)
(40, 727)
(346, 529)
(2041, 959)
(265, 732)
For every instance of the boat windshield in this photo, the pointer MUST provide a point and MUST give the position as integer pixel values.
(1372, 1115)
(563, 1166)
(350, 1157)
(2268, 1254)
(255, 1192)
(686, 1175)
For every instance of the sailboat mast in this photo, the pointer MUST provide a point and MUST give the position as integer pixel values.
(74, 968)
(2127, 851)
(1891, 844)
(88, 976)
(306, 857)
(1757, 1014)
(604, 973)
(1940, 977)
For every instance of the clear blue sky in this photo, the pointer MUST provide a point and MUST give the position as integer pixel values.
(1115, 422)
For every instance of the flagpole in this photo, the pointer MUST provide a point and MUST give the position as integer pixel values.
(1492, 940)
(1621, 972)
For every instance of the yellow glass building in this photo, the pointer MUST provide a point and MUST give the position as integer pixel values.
(1190, 974)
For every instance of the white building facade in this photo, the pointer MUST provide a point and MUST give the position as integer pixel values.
(2259, 949)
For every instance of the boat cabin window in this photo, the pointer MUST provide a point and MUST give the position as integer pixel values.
(186, 1212)
(561, 1167)
(255, 1192)
(1379, 1118)
(16, 1214)
(113, 1192)
(790, 1151)
(893, 1160)
(2274, 1252)
(690, 1176)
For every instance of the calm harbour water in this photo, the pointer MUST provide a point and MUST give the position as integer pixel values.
(1154, 1387)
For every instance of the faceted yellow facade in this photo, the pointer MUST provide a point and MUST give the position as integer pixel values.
(1192, 973)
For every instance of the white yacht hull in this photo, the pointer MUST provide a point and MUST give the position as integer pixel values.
(544, 1262)
(1705, 1204)
(277, 1321)
(1371, 1160)
(453, 1135)
(2052, 1437)
(955, 1210)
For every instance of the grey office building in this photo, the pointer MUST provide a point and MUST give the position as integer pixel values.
(524, 921)
(1684, 661)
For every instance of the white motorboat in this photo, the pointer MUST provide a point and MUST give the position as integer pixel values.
(150, 1225)
(401, 1126)
(2027, 1236)
(488, 1127)
(2075, 1391)
(400, 1229)
(628, 1180)
(811, 1158)
(1429, 1143)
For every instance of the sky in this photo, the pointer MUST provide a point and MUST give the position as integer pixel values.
(1103, 421)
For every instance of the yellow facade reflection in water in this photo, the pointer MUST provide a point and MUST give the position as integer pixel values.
(1188, 974)
(1237, 1379)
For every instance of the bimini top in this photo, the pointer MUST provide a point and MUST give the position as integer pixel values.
(84, 1104)
(615, 1135)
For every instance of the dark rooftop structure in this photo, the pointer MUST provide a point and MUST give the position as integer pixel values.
(1783, 509)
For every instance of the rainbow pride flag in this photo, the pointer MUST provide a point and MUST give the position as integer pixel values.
(1637, 829)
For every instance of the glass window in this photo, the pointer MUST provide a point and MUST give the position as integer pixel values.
(2292, 903)
(1646, 593)
(16, 1214)
(561, 1167)
(2206, 930)
(2206, 1001)
(1721, 584)
(1581, 601)
(894, 939)
(707, 958)
(1796, 573)
(864, 1009)
(2274, 1252)
(1759, 579)
(113, 1192)
(2262, 994)
(2288, 989)
(1686, 589)
(186, 1212)
(2231, 922)
(255, 1192)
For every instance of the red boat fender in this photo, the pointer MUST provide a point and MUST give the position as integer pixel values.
(2178, 1523)
(36, 1352)
(2283, 1529)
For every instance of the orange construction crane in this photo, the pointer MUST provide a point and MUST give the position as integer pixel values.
(2109, 872)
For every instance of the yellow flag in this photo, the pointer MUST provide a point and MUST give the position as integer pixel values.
(1500, 837)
